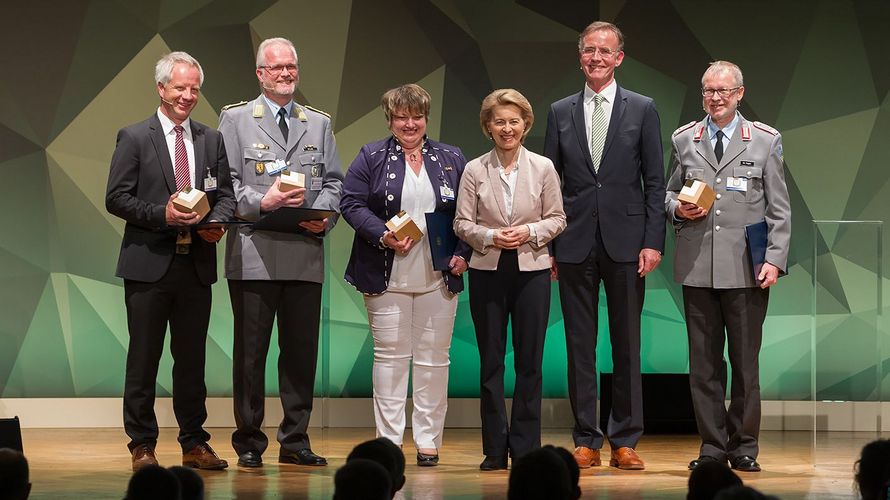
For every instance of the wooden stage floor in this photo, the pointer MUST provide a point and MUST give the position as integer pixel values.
(94, 464)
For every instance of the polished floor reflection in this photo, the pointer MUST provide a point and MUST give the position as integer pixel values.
(93, 463)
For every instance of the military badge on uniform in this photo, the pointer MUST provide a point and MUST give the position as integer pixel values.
(301, 115)
(310, 147)
(258, 110)
(260, 168)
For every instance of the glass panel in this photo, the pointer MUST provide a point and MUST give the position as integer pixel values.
(847, 343)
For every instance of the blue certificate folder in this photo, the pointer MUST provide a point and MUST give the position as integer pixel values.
(757, 236)
(442, 239)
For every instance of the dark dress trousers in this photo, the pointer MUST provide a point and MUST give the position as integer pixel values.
(161, 286)
(611, 216)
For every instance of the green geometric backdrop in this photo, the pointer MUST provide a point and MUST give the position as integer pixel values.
(76, 72)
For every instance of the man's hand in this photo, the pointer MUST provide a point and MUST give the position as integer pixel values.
(275, 198)
(176, 218)
(211, 234)
(690, 211)
(401, 247)
(510, 237)
(457, 265)
(554, 270)
(649, 260)
(314, 226)
(769, 275)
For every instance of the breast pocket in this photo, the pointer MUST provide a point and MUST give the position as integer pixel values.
(257, 162)
(754, 191)
(695, 174)
(312, 163)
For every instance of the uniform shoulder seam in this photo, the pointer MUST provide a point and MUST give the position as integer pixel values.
(684, 127)
(233, 105)
(317, 110)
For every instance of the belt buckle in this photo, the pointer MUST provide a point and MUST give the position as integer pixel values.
(182, 249)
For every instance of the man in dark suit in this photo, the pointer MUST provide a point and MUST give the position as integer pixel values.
(605, 142)
(168, 265)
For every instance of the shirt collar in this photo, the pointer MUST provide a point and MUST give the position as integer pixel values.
(289, 107)
(608, 92)
(500, 167)
(728, 130)
(167, 124)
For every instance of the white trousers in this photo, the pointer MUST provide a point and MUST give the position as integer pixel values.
(410, 326)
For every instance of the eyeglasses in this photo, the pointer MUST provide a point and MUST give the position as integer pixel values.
(276, 70)
(721, 92)
(604, 52)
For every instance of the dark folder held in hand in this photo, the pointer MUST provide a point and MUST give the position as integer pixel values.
(758, 239)
(440, 234)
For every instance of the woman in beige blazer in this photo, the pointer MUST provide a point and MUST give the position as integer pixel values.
(509, 207)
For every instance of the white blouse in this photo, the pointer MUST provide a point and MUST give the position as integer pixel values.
(414, 272)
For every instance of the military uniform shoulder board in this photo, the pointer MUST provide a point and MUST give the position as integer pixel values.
(316, 110)
(684, 127)
(766, 128)
(234, 105)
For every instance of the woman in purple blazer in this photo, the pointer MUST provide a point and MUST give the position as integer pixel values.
(411, 306)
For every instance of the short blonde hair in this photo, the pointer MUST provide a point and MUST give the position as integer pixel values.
(504, 97)
(409, 97)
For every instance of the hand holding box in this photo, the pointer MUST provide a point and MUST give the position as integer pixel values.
(192, 200)
(698, 193)
(403, 226)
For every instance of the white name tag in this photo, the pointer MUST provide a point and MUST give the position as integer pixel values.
(739, 184)
(209, 183)
(446, 192)
(273, 167)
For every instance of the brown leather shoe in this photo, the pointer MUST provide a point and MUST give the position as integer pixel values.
(626, 459)
(143, 455)
(586, 457)
(203, 457)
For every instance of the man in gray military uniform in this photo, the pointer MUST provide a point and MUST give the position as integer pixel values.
(742, 161)
(277, 274)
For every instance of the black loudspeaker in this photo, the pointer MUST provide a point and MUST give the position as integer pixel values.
(11, 434)
(667, 403)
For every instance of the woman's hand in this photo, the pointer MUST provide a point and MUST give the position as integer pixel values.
(400, 247)
(458, 265)
(511, 237)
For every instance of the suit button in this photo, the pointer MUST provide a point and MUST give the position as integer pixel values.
(599, 185)
(594, 213)
(716, 228)
(717, 212)
(718, 196)
(718, 180)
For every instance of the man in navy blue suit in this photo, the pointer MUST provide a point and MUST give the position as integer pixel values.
(605, 142)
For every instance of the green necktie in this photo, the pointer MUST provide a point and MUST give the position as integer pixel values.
(598, 129)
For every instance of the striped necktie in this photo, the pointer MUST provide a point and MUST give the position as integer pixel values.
(181, 169)
(598, 129)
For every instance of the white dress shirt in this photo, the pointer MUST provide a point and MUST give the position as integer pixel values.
(608, 94)
(170, 136)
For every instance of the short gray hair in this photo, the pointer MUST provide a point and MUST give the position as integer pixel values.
(724, 67)
(601, 26)
(261, 50)
(164, 67)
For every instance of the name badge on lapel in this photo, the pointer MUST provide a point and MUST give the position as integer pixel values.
(446, 192)
(209, 183)
(739, 184)
(276, 166)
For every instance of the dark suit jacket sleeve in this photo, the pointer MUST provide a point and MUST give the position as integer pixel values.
(354, 203)
(652, 167)
(224, 206)
(551, 151)
(123, 180)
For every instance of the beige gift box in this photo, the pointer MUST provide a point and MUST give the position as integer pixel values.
(699, 193)
(403, 226)
(192, 200)
(291, 180)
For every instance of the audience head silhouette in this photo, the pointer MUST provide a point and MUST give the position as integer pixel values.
(191, 486)
(709, 478)
(151, 483)
(386, 453)
(540, 474)
(362, 479)
(14, 483)
(873, 470)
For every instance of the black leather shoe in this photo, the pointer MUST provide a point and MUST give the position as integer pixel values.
(427, 460)
(493, 463)
(745, 463)
(250, 459)
(301, 457)
(702, 459)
